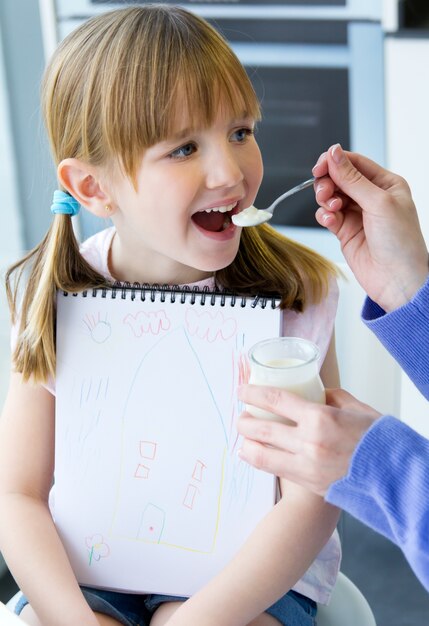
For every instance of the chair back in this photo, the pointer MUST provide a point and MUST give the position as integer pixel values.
(348, 606)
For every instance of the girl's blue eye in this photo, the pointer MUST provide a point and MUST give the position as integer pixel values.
(242, 134)
(183, 151)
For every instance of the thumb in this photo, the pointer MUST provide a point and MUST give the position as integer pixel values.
(351, 181)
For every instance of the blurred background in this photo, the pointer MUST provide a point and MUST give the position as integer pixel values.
(349, 71)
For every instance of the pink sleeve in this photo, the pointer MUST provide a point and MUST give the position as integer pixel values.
(316, 323)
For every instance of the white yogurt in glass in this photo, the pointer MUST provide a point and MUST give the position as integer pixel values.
(291, 363)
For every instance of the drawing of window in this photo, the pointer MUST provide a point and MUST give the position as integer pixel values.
(197, 474)
(147, 449)
(142, 471)
(189, 500)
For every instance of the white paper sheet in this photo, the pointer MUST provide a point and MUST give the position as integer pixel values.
(149, 493)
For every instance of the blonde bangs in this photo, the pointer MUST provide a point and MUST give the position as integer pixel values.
(203, 90)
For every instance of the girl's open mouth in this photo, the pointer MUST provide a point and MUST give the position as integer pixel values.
(217, 219)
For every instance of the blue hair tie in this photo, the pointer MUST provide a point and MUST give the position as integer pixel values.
(64, 203)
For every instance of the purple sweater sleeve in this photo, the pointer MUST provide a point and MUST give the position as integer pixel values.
(387, 486)
(405, 334)
(387, 489)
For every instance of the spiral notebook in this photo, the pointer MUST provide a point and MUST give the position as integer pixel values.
(150, 495)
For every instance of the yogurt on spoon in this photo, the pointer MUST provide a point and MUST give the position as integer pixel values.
(253, 216)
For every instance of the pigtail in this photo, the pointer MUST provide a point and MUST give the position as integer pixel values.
(54, 264)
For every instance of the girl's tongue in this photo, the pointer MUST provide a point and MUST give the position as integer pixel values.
(215, 221)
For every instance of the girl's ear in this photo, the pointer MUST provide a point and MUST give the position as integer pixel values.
(83, 183)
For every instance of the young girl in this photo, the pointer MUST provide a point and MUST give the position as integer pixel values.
(151, 120)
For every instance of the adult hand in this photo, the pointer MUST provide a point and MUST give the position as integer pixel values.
(373, 215)
(314, 453)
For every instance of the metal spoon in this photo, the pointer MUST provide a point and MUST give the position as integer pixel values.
(253, 216)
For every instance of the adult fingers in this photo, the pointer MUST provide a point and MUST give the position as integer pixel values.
(374, 172)
(293, 467)
(331, 220)
(353, 175)
(270, 432)
(277, 462)
(275, 400)
(324, 189)
(329, 197)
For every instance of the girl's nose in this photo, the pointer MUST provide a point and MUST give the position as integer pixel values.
(223, 169)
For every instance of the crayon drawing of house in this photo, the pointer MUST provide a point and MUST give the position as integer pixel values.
(172, 459)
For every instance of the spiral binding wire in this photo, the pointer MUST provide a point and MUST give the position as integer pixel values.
(187, 294)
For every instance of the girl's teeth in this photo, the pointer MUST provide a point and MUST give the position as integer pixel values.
(221, 209)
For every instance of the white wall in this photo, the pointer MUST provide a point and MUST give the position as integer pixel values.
(407, 107)
(366, 368)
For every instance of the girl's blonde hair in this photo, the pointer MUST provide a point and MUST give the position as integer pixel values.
(114, 88)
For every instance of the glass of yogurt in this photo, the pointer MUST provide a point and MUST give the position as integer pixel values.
(291, 363)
